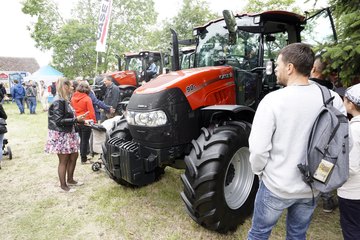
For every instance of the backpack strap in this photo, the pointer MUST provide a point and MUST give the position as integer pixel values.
(326, 95)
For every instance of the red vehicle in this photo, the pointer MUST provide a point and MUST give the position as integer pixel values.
(199, 119)
(134, 73)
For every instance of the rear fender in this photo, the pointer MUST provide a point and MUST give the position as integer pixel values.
(127, 87)
(216, 113)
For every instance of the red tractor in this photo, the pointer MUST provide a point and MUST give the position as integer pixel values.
(134, 74)
(199, 119)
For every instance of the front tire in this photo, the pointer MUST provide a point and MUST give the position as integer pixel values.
(219, 186)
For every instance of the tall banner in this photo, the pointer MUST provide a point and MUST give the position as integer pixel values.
(103, 25)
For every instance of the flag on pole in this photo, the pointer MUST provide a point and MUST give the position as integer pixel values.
(103, 25)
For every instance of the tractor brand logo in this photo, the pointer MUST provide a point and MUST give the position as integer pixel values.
(226, 75)
(190, 88)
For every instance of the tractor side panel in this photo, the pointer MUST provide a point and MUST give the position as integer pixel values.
(125, 78)
(201, 86)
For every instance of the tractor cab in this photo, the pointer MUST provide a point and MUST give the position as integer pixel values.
(140, 62)
(250, 43)
(253, 43)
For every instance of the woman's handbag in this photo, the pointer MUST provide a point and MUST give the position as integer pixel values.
(3, 124)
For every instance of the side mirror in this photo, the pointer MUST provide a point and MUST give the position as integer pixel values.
(269, 67)
(231, 26)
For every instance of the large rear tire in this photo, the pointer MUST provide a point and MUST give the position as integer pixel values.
(219, 186)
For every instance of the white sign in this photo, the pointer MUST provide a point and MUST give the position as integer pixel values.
(103, 25)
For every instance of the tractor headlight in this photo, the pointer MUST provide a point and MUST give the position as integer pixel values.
(150, 119)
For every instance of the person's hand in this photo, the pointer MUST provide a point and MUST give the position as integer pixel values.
(112, 110)
(88, 122)
(81, 118)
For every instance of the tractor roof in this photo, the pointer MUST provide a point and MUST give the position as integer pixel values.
(281, 16)
(141, 53)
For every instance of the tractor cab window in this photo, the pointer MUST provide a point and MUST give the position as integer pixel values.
(214, 48)
(273, 44)
(134, 64)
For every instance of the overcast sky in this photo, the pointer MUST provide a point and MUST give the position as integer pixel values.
(16, 41)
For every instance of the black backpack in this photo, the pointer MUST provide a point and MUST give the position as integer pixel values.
(326, 167)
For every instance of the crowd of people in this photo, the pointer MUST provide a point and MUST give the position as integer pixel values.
(273, 153)
(281, 115)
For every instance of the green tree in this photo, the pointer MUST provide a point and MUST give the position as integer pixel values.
(73, 40)
(192, 13)
(48, 21)
(346, 54)
(266, 5)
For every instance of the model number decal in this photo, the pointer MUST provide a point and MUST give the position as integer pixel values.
(226, 75)
(190, 88)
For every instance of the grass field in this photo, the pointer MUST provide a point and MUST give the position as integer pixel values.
(32, 208)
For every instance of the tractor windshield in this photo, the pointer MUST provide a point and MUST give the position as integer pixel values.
(133, 64)
(256, 42)
(214, 47)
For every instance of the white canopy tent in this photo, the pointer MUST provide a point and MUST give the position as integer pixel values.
(47, 73)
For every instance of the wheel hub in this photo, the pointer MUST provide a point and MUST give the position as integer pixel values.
(239, 179)
(230, 174)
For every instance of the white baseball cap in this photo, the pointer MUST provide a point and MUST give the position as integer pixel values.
(353, 94)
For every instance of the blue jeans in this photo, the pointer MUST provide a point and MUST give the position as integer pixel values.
(32, 104)
(268, 209)
(19, 103)
(1, 145)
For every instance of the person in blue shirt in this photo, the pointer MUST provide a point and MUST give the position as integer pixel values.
(151, 71)
(18, 94)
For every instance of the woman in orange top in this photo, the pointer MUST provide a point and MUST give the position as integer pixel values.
(82, 103)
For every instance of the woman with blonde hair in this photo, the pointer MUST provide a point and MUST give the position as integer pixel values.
(82, 104)
(62, 138)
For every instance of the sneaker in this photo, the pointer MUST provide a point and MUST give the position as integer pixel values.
(329, 205)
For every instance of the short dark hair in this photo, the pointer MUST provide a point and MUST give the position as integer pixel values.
(83, 87)
(300, 55)
(109, 78)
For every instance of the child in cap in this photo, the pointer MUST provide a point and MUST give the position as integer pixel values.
(349, 193)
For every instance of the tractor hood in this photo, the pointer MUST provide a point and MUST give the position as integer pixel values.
(201, 86)
(189, 80)
(127, 77)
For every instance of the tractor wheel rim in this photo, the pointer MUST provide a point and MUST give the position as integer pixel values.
(237, 191)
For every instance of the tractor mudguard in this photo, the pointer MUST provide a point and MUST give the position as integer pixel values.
(235, 112)
(127, 87)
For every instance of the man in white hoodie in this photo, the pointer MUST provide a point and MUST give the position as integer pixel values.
(278, 143)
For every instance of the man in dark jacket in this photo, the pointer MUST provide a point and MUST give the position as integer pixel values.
(112, 95)
(18, 94)
(317, 73)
